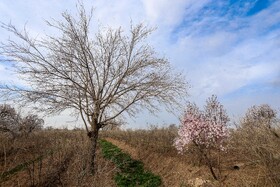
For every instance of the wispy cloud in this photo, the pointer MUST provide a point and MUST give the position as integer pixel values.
(225, 53)
(170, 14)
(229, 48)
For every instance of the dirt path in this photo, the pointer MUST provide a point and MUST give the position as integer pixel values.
(173, 172)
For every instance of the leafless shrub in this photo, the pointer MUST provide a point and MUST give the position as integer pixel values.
(257, 139)
(112, 127)
(63, 163)
(156, 139)
(11, 122)
(259, 117)
(30, 123)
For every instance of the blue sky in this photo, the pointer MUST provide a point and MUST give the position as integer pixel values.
(230, 48)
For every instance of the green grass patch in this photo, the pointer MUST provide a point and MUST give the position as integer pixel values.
(131, 172)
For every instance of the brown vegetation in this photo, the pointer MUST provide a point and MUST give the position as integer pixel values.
(57, 158)
(13, 124)
(252, 157)
(101, 77)
(51, 158)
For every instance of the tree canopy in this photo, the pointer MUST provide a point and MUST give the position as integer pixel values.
(101, 75)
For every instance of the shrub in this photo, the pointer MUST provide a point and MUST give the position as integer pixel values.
(9, 120)
(30, 123)
(257, 138)
(262, 116)
(13, 123)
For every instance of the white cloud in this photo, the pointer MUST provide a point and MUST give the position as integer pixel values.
(224, 59)
(6, 75)
(169, 13)
(219, 54)
(118, 13)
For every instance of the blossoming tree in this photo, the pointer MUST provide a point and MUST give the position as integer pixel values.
(207, 129)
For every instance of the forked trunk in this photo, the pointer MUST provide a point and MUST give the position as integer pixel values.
(93, 135)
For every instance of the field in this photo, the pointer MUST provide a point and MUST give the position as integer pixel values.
(51, 158)
(60, 157)
(238, 166)
(81, 68)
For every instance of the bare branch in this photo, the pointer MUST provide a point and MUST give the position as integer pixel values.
(101, 77)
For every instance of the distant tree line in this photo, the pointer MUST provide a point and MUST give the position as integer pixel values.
(14, 124)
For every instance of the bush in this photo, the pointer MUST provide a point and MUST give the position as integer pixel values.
(12, 123)
(9, 120)
(30, 123)
(257, 138)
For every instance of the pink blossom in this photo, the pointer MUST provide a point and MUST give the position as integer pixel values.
(205, 129)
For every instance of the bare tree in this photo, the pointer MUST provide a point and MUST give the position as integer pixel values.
(30, 123)
(102, 76)
(9, 120)
(259, 116)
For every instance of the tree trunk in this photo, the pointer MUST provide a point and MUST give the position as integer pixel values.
(93, 135)
(209, 163)
(210, 167)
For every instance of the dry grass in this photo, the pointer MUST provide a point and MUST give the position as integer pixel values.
(158, 140)
(64, 161)
(155, 149)
(60, 158)
(252, 157)
(258, 148)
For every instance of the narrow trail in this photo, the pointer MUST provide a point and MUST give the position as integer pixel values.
(173, 172)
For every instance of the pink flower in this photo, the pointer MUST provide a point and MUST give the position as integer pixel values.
(206, 128)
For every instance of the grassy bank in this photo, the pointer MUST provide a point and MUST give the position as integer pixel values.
(131, 172)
